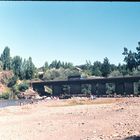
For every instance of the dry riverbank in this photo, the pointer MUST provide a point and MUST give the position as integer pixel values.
(106, 119)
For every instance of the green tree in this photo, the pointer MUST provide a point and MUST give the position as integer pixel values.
(16, 66)
(115, 73)
(1, 65)
(113, 67)
(54, 64)
(96, 69)
(58, 64)
(88, 65)
(130, 59)
(138, 54)
(29, 69)
(12, 81)
(59, 74)
(105, 69)
(6, 59)
(123, 69)
(46, 66)
(23, 69)
(67, 65)
(23, 86)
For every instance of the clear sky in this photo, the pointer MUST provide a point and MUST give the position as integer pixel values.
(69, 31)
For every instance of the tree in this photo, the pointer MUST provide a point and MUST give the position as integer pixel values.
(58, 64)
(113, 67)
(138, 54)
(30, 69)
(12, 81)
(46, 66)
(23, 69)
(105, 68)
(23, 87)
(67, 65)
(96, 69)
(130, 59)
(88, 65)
(6, 59)
(115, 73)
(1, 65)
(123, 69)
(54, 64)
(16, 66)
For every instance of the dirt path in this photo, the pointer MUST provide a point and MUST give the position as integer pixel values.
(102, 120)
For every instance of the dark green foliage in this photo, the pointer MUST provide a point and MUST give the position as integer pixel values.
(88, 65)
(113, 67)
(51, 75)
(46, 66)
(58, 64)
(1, 65)
(115, 73)
(59, 74)
(6, 59)
(5, 95)
(14, 88)
(55, 64)
(58, 70)
(138, 54)
(16, 66)
(106, 68)
(12, 81)
(123, 69)
(23, 86)
(29, 69)
(67, 65)
(23, 70)
(130, 59)
(96, 69)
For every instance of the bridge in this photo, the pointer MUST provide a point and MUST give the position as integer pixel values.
(123, 85)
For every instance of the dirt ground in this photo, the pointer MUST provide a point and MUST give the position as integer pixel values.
(73, 119)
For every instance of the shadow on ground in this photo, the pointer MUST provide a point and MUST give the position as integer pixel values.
(132, 138)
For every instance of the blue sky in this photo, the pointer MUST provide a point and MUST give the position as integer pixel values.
(69, 31)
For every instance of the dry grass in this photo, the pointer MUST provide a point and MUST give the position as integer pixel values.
(83, 101)
(95, 101)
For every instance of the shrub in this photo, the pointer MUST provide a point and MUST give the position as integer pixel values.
(23, 86)
(12, 81)
(5, 95)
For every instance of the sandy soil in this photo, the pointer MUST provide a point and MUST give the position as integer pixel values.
(100, 119)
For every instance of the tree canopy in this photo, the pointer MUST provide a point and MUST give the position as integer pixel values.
(25, 68)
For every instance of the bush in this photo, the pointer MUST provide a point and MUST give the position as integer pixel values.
(5, 95)
(12, 81)
(23, 86)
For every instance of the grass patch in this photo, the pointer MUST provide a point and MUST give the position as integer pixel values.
(73, 102)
